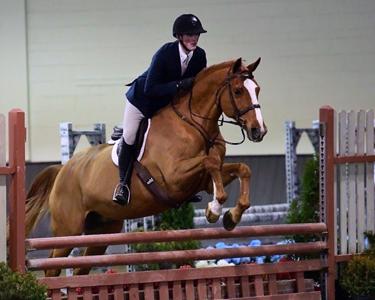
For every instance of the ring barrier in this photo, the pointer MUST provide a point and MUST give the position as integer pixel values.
(211, 283)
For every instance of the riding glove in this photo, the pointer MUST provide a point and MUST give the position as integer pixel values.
(185, 84)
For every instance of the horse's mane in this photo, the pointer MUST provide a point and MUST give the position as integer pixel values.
(213, 68)
(203, 74)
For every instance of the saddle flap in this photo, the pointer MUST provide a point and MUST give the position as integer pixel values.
(140, 141)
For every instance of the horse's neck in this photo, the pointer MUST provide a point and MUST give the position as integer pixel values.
(201, 104)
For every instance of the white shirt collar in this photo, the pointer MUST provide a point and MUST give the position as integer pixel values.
(183, 55)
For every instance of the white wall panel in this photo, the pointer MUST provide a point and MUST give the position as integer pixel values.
(13, 56)
(81, 53)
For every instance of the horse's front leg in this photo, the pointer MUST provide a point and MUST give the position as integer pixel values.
(241, 171)
(212, 165)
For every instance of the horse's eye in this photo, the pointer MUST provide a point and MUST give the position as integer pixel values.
(238, 92)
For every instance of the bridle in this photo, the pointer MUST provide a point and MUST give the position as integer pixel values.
(238, 113)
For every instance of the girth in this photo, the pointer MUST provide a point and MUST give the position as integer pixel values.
(142, 172)
(150, 183)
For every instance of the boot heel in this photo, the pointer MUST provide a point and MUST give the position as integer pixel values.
(121, 195)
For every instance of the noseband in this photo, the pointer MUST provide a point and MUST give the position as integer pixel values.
(210, 141)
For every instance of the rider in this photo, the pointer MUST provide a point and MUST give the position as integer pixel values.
(172, 70)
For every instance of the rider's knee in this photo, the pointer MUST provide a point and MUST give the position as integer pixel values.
(129, 136)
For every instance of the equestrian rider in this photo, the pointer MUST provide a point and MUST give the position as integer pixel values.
(172, 70)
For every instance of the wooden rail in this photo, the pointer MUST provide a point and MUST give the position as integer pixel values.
(172, 256)
(174, 235)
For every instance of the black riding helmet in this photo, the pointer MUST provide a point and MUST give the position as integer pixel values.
(187, 23)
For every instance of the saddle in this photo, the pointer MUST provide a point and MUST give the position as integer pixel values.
(142, 172)
(117, 134)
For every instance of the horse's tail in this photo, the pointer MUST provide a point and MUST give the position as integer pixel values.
(38, 195)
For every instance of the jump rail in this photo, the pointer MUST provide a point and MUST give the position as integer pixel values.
(16, 173)
(173, 235)
(247, 281)
(174, 256)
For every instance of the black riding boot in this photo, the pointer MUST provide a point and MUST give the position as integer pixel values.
(125, 162)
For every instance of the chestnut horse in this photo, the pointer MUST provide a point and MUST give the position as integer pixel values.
(184, 152)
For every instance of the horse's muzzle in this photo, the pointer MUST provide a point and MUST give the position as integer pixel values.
(256, 134)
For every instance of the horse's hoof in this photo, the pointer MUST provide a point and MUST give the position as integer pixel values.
(211, 217)
(228, 222)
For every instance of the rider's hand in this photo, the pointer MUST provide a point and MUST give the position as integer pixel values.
(185, 84)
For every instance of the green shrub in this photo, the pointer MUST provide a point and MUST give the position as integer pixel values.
(177, 218)
(169, 246)
(172, 219)
(305, 209)
(16, 286)
(358, 277)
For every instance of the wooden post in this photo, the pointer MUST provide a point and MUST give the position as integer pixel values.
(3, 207)
(17, 138)
(370, 171)
(326, 117)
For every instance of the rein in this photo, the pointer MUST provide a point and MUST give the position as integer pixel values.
(210, 141)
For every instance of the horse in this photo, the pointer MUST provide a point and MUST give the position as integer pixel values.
(183, 161)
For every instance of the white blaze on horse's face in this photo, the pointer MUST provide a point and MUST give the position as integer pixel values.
(251, 86)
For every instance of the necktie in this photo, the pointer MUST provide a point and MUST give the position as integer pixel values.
(184, 65)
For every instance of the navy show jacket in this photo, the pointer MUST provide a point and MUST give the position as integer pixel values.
(157, 86)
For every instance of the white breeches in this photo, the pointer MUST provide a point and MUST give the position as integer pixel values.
(132, 118)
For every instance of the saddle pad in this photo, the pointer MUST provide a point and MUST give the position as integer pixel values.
(141, 151)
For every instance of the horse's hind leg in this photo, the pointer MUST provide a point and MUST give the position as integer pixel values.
(63, 226)
(237, 170)
(96, 225)
(59, 231)
(57, 253)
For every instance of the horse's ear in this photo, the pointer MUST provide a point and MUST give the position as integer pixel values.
(253, 66)
(237, 65)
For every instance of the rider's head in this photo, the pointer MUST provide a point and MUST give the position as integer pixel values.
(187, 28)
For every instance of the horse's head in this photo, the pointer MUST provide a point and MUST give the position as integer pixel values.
(238, 99)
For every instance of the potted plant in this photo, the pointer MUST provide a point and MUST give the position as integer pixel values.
(358, 278)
